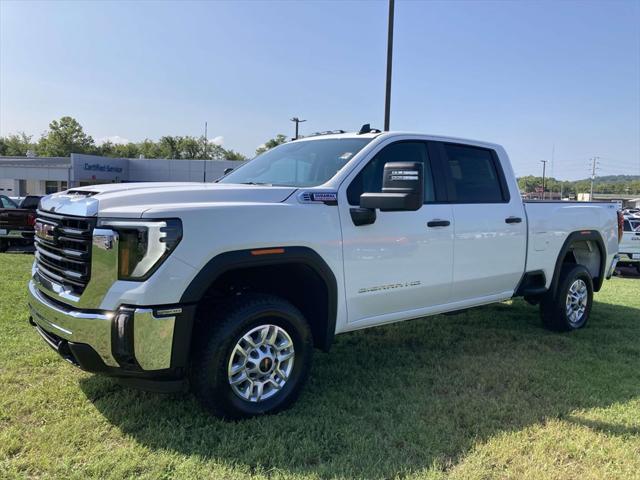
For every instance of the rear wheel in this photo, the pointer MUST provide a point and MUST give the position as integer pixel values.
(253, 359)
(570, 307)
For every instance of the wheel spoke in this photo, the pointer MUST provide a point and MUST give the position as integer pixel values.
(273, 337)
(259, 386)
(283, 357)
(241, 379)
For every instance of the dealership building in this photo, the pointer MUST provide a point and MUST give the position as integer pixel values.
(20, 176)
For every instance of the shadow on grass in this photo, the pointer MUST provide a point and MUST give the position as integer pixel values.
(406, 397)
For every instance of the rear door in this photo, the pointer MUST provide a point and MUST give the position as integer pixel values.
(490, 232)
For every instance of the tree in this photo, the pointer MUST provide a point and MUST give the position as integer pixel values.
(65, 136)
(233, 155)
(126, 150)
(269, 144)
(190, 147)
(169, 146)
(149, 149)
(16, 145)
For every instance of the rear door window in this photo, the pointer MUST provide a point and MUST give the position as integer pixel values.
(474, 174)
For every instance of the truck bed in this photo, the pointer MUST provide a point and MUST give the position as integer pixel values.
(550, 222)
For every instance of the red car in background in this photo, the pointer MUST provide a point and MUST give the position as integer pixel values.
(17, 221)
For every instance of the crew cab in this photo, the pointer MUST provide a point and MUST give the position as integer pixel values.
(17, 221)
(228, 287)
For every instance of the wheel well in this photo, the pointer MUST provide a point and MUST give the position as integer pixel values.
(586, 253)
(298, 283)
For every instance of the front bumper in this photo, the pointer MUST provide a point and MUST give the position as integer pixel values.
(128, 342)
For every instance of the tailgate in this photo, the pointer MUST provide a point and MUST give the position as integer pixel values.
(14, 218)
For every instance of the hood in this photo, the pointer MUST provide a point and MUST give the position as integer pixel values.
(134, 198)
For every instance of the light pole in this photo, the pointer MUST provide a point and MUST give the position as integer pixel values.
(204, 171)
(544, 170)
(594, 161)
(387, 99)
(297, 121)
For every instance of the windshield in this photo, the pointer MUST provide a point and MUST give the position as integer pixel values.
(298, 164)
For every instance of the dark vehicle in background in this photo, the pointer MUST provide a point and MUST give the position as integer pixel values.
(17, 221)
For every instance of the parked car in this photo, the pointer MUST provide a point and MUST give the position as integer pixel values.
(17, 221)
(630, 244)
(228, 287)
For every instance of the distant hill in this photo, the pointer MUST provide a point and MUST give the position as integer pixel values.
(615, 179)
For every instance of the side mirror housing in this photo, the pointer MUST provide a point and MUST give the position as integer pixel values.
(402, 188)
(227, 171)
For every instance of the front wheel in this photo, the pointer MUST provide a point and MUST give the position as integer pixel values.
(252, 358)
(570, 307)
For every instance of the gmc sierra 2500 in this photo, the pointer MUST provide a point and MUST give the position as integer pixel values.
(228, 287)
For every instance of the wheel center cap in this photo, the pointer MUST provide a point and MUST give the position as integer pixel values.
(265, 365)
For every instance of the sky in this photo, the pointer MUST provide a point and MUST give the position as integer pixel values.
(556, 81)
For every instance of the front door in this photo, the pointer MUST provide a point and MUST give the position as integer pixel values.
(397, 266)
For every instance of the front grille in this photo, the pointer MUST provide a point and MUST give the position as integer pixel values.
(63, 251)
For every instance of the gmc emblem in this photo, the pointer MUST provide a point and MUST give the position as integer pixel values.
(44, 231)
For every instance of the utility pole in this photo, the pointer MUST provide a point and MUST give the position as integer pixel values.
(594, 162)
(206, 144)
(387, 99)
(544, 171)
(297, 121)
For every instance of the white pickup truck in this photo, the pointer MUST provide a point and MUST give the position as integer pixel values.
(228, 287)
(630, 244)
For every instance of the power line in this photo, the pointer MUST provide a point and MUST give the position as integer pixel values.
(544, 169)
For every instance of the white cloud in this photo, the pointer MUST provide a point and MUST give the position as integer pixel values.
(219, 140)
(115, 139)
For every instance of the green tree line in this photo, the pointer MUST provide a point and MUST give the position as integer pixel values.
(620, 184)
(66, 136)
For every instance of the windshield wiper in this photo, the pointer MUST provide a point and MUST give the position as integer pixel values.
(256, 183)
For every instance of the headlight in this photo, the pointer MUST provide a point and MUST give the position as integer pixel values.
(143, 244)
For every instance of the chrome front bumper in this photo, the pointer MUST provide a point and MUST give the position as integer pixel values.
(151, 335)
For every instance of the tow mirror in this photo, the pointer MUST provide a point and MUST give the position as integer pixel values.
(402, 188)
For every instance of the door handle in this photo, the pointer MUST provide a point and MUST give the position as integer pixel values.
(513, 220)
(438, 223)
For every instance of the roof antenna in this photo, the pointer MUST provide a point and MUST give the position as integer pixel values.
(366, 128)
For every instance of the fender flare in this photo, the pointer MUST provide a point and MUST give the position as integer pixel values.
(582, 235)
(239, 259)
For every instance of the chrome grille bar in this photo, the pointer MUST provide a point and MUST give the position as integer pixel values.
(63, 249)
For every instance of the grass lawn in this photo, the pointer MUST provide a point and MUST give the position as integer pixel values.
(484, 394)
